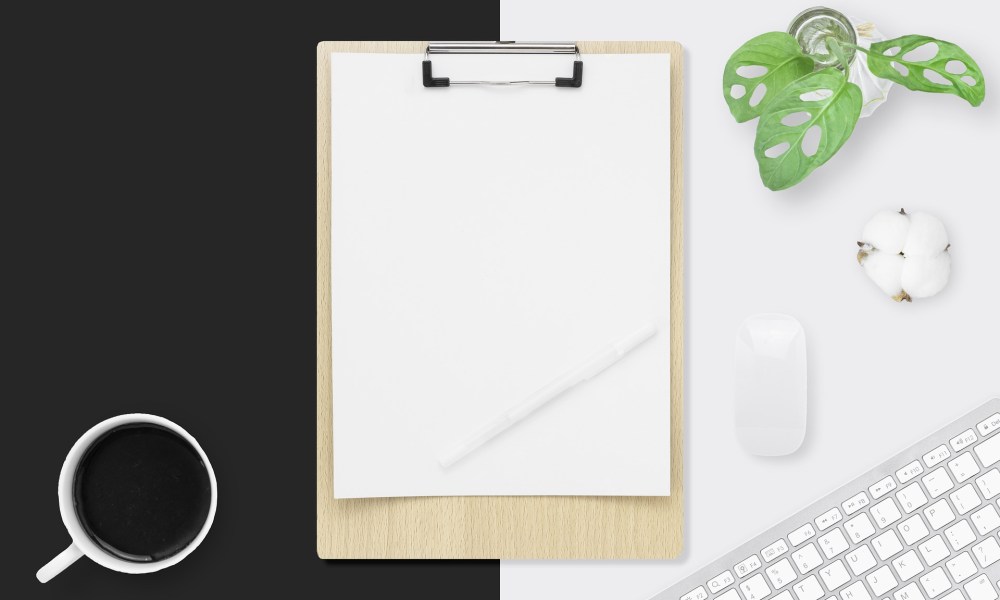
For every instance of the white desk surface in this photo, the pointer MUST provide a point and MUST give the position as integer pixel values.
(881, 375)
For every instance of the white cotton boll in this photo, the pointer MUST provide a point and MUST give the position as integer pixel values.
(926, 237)
(886, 270)
(887, 231)
(920, 269)
(925, 276)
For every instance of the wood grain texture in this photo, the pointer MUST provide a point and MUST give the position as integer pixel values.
(506, 527)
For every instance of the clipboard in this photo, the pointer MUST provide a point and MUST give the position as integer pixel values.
(507, 527)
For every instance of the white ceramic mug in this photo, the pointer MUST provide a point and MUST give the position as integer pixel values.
(82, 544)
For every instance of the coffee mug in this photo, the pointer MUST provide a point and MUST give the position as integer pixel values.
(137, 494)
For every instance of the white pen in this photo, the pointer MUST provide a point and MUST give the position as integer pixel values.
(589, 368)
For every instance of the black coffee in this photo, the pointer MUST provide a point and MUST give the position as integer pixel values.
(142, 492)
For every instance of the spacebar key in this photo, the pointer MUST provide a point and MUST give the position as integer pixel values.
(989, 451)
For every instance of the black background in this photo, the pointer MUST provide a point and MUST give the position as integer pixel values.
(161, 169)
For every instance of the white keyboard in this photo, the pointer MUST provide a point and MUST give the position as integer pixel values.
(922, 526)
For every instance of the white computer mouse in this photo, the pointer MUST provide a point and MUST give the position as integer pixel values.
(771, 385)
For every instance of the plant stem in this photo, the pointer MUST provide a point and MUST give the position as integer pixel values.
(855, 46)
(833, 44)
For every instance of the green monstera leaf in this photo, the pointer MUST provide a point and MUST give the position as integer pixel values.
(925, 64)
(760, 69)
(804, 125)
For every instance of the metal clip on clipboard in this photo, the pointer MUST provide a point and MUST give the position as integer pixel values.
(503, 48)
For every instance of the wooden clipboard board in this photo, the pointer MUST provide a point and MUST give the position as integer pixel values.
(505, 527)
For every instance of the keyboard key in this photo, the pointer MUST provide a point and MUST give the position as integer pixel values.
(965, 498)
(755, 588)
(834, 575)
(808, 589)
(961, 567)
(961, 441)
(780, 573)
(747, 566)
(910, 592)
(913, 530)
(986, 520)
(860, 560)
(859, 528)
(912, 497)
(935, 583)
(801, 534)
(887, 545)
(881, 580)
(980, 588)
(907, 566)
(855, 591)
(774, 550)
(963, 467)
(730, 595)
(807, 558)
(697, 593)
(909, 472)
(935, 456)
(960, 535)
(989, 484)
(937, 481)
(855, 503)
(721, 581)
(833, 543)
(882, 488)
(933, 550)
(986, 552)
(954, 595)
(785, 595)
(828, 519)
(885, 513)
(989, 425)
(989, 451)
(939, 514)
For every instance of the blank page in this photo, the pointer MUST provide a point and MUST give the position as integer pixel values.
(484, 240)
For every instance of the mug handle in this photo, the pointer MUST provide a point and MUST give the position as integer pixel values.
(61, 561)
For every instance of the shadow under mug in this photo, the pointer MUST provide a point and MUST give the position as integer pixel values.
(82, 544)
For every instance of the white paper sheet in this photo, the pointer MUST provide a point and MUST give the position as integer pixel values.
(484, 240)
